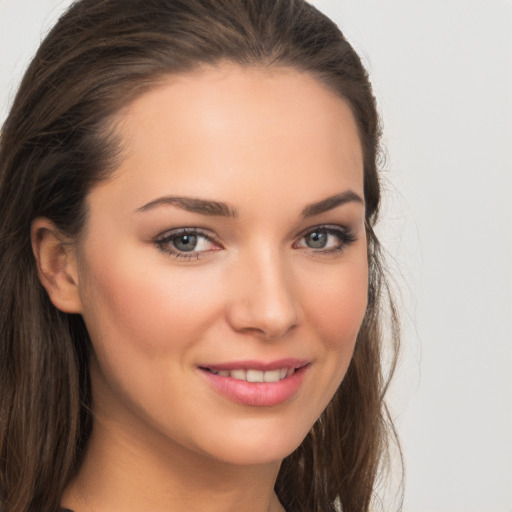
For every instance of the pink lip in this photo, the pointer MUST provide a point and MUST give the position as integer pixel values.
(257, 394)
(257, 365)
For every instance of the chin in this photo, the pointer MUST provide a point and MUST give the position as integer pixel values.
(255, 446)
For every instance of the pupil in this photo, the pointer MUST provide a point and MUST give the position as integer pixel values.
(317, 240)
(185, 242)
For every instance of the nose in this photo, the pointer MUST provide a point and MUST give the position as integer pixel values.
(263, 298)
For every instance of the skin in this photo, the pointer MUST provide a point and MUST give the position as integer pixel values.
(268, 143)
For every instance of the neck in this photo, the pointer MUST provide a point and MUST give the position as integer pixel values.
(126, 471)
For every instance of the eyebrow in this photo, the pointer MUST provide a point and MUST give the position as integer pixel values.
(331, 202)
(192, 204)
(219, 209)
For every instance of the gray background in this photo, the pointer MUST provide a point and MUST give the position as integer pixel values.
(442, 72)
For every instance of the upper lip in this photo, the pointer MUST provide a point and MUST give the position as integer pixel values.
(257, 365)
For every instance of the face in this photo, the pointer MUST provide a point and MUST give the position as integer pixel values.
(223, 269)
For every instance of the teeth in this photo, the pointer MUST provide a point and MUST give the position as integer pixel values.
(256, 375)
(272, 376)
(238, 374)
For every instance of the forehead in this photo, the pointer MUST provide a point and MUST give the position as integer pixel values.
(227, 130)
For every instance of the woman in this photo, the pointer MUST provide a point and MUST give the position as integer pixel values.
(191, 285)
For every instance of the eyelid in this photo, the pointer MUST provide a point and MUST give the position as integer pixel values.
(163, 242)
(331, 228)
(185, 230)
(345, 234)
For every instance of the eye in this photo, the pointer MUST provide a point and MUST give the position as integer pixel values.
(186, 243)
(326, 239)
(317, 239)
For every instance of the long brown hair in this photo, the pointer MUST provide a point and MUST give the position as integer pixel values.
(57, 142)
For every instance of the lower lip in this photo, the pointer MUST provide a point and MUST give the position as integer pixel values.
(257, 394)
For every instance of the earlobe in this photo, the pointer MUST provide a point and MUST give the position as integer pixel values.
(56, 264)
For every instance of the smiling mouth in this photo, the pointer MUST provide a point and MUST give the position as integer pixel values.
(252, 375)
(257, 383)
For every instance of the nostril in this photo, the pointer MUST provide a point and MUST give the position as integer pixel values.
(264, 302)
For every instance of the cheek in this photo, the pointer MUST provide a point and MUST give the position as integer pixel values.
(340, 306)
(145, 307)
(336, 311)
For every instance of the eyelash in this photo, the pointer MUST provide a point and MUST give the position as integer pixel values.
(345, 236)
(165, 243)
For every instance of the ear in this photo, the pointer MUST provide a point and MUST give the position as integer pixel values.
(57, 265)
